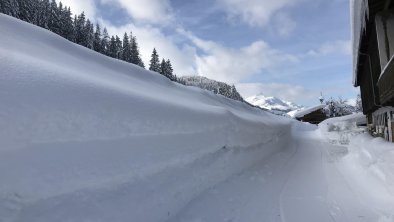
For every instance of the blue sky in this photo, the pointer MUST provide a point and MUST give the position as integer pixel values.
(291, 49)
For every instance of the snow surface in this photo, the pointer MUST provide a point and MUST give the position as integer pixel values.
(306, 111)
(272, 103)
(88, 138)
(367, 164)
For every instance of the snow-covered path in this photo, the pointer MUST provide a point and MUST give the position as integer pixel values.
(301, 183)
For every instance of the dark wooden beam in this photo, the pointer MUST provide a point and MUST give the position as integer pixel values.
(387, 4)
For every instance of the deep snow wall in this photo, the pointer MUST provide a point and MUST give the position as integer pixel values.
(87, 137)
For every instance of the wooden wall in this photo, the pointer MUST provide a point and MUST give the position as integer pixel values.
(315, 117)
(369, 73)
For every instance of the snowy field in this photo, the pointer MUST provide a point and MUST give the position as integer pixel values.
(88, 138)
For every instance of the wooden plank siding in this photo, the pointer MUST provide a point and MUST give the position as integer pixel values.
(385, 35)
(386, 85)
(369, 72)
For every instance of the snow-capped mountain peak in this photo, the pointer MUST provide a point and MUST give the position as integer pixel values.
(272, 103)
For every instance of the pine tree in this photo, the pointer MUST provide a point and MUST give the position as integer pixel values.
(118, 45)
(126, 50)
(105, 42)
(112, 48)
(97, 40)
(169, 70)
(135, 53)
(62, 20)
(25, 10)
(11, 7)
(67, 24)
(359, 105)
(89, 34)
(53, 23)
(154, 62)
(163, 67)
(166, 69)
(79, 26)
(35, 9)
(44, 13)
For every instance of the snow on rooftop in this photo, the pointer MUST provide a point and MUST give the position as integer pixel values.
(359, 13)
(306, 111)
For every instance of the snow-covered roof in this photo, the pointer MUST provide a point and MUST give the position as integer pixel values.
(293, 112)
(359, 13)
(306, 111)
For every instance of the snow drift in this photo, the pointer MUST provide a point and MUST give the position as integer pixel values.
(85, 137)
(367, 163)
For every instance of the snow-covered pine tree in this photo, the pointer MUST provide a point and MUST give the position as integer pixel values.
(126, 50)
(170, 70)
(359, 105)
(97, 39)
(89, 34)
(10, 7)
(135, 53)
(105, 42)
(53, 22)
(79, 26)
(67, 24)
(25, 10)
(43, 13)
(118, 44)
(163, 67)
(112, 48)
(36, 12)
(154, 62)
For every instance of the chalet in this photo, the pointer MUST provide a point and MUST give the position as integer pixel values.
(313, 115)
(373, 65)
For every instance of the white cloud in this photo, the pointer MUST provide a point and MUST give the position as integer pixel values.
(150, 11)
(233, 65)
(293, 93)
(148, 37)
(284, 24)
(333, 47)
(259, 13)
(78, 6)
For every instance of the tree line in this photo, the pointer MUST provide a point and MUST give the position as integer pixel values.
(80, 30)
(216, 87)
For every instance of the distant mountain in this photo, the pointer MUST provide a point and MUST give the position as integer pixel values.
(211, 85)
(273, 104)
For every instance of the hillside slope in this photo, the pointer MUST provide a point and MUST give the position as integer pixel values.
(88, 138)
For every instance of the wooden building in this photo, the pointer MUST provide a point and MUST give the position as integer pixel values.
(313, 115)
(373, 63)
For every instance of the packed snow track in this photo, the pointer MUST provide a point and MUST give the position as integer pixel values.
(301, 183)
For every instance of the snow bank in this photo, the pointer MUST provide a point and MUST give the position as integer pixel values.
(340, 129)
(88, 138)
(368, 163)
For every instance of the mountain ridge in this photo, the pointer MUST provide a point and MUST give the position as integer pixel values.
(272, 103)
